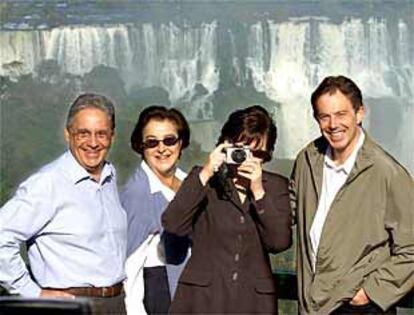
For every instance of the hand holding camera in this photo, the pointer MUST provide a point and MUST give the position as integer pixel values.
(237, 154)
(216, 158)
(248, 169)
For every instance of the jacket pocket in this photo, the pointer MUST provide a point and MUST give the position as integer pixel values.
(198, 278)
(265, 286)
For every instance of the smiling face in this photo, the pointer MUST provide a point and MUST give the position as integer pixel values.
(338, 122)
(89, 138)
(163, 158)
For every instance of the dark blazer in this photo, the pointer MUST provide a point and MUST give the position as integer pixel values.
(229, 269)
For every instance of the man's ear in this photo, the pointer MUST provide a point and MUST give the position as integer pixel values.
(360, 114)
(66, 134)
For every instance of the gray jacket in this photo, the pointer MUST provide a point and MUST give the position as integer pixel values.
(368, 237)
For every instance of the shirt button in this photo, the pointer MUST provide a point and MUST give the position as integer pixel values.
(239, 237)
(234, 276)
(242, 219)
(236, 257)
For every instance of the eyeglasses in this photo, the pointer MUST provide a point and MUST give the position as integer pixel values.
(261, 154)
(85, 134)
(153, 143)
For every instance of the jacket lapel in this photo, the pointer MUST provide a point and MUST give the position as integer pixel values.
(363, 161)
(315, 158)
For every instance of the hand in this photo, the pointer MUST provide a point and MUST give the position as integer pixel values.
(215, 160)
(44, 293)
(251, 169)
(360, 298)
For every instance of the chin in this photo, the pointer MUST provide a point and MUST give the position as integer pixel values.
(164, 169)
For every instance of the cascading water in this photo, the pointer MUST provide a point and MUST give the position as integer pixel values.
(166, 56)
(283, 59)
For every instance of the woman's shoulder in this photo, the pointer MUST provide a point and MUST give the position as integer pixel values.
(275, 178)
(137, 182)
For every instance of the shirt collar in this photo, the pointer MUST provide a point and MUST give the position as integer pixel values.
(77, 173)
(350, 161)
(154, 182)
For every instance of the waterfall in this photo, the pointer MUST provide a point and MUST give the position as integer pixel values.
(303, 51)
(284, 59)
(167, 56)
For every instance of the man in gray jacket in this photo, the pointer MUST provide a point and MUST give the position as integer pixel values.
(354, 210)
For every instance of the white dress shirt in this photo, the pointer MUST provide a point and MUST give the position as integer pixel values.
(149, 254)
(75, 229)
(334, 177)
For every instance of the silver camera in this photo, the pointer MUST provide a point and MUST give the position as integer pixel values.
(237, 154)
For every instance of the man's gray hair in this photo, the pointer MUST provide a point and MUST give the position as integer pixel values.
(90, 100)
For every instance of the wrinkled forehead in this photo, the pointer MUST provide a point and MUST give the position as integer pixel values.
(91, 116)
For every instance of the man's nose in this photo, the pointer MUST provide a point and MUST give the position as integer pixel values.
(93, 140)
(333, 122)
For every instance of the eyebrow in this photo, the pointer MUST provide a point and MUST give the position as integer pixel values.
(167, 135)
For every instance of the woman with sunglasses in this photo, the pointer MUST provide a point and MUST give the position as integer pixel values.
(236, 214)
(159, 137)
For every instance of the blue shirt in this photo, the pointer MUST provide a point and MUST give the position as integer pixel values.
(74, 227)
(144, 203)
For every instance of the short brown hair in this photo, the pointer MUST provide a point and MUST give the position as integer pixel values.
(249, 124)
(332, 84)
(158, 112)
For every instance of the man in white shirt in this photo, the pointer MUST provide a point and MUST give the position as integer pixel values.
(354, 212)
(70, 217)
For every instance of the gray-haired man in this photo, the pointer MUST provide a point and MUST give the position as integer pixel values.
(70, 218)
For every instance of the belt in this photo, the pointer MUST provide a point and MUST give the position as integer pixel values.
(103, 292)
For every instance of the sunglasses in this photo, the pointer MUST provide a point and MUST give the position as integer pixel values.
(153, 143)
(261, 154)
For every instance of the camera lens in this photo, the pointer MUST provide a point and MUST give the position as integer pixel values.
(238, 156)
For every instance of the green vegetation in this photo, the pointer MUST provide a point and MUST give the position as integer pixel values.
(33, 111)
(32, 116)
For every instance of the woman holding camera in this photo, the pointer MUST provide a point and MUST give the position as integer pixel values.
(236, 214)
(159, 137)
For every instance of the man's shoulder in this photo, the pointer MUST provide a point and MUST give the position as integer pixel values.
(382, 160)
(41, 181)
(316, 146)
(52, 166)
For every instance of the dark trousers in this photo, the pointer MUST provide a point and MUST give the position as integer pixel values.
(109, 305)
(157, 297)
(367, 309)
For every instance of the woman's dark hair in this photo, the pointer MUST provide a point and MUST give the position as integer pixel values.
(250, 124)
(160, 113)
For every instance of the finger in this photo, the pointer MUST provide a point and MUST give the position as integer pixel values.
(256, 160)
(218, 159)
(253, 163)
(245, 174)
(253, 166)
(223, 146)
(245, 169)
